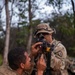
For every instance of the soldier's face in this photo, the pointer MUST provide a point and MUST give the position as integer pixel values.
(27, 65)
(48, 38)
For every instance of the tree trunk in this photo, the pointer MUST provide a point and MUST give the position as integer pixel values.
(30, 28)
(6, 48)
(73, 6)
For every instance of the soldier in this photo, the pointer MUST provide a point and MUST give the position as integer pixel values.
(58, 54)
(19, 62)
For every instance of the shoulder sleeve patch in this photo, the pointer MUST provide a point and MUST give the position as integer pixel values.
(59, 54)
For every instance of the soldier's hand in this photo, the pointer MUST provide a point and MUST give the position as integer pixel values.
(41, 64)
(35, 48)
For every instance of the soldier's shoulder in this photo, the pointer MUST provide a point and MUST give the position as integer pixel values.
(60, 49)
(58, 44)
(5, 70)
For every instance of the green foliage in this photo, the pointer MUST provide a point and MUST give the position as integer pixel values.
(22, 15)
(55, 3)
(0, 59)
(22, 23)
(22, 0)
(1, 45)
(21, 36)
(71, 51)
(68, 31)
(64, 23)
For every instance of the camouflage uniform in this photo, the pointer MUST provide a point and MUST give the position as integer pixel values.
(58, 59)
(6, 70)
(58, 55)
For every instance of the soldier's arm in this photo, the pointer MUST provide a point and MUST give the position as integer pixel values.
(41, 65)
(58, 57)
(34, 50)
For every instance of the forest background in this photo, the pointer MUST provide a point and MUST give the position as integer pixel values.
(18, 19)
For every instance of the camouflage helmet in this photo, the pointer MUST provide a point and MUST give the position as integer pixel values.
(44, 28)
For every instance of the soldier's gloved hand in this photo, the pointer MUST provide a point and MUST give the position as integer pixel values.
(35, 48)
(41, 65)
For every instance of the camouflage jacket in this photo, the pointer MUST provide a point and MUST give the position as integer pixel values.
(6, 70)
(58, 58)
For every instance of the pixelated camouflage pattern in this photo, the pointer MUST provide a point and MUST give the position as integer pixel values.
(6, 70)
(58, 58)
(44, 28)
